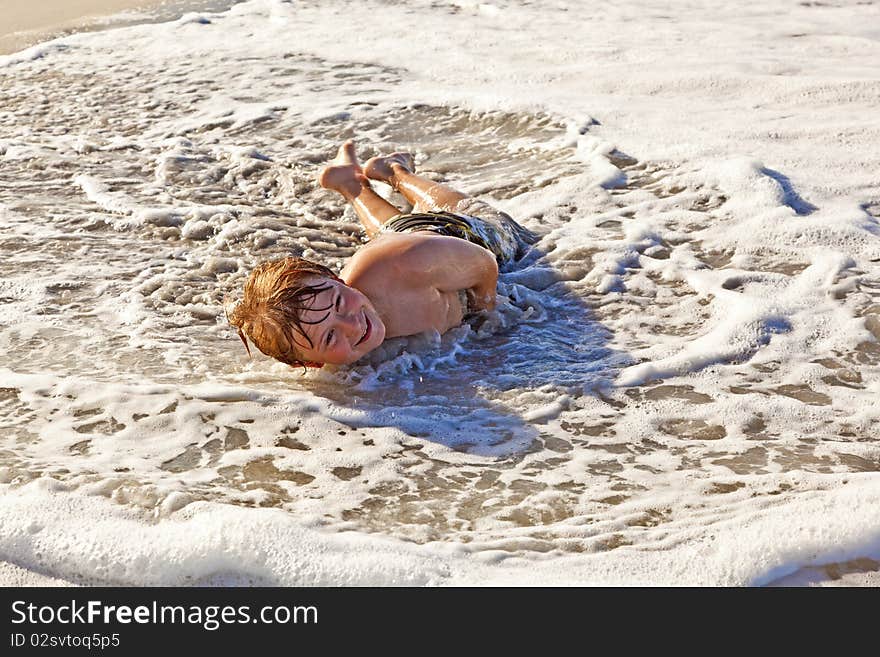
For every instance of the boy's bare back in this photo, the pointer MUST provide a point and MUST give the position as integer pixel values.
(414, 280)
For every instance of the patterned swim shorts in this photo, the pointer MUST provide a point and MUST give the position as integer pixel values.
(473, 220)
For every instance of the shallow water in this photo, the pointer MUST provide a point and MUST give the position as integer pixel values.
(688, 347)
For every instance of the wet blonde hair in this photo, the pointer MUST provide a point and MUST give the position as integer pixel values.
(275, 295)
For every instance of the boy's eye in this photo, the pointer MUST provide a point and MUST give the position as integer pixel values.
(329, 336)
(338, 301)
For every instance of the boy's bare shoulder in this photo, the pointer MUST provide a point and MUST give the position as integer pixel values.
(391, 256)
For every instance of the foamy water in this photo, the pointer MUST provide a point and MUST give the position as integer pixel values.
(679, 384)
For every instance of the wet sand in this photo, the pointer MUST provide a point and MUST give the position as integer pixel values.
(857, 572)
(26, 23)
(12, 575)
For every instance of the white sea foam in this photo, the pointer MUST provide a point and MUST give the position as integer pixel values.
(678, 385)
(89, 541)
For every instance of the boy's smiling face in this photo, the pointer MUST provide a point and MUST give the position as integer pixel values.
(340, 323)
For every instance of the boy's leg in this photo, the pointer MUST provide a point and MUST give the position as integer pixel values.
(398, 170)
(345, 176)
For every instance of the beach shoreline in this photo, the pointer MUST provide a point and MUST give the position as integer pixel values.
(26, 23)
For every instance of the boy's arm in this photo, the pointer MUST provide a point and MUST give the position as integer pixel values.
(450, 264)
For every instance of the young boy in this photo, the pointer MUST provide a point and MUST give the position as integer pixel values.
(420, 271)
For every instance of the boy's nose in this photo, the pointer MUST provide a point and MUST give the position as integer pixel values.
(350, 323)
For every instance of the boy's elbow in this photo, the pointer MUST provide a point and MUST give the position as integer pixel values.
(492, 264)
(485, 291)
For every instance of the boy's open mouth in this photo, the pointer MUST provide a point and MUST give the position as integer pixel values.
(367, 330)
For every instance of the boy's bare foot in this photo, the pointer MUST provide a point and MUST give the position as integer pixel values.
(384, 168)
(344, 173)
